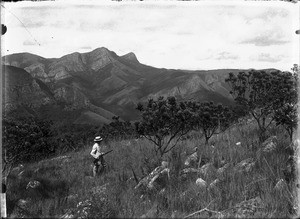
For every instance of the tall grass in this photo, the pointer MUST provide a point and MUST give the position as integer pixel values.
(67, 182)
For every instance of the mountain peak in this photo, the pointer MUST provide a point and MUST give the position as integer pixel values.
(131, 57)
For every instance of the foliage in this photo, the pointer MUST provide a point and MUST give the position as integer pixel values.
(164, 120)
(117, 129)
(27, 138)
(258, 92)
(210, 118)
(287, 115)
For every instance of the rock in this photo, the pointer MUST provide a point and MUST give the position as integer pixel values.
(223, 171)
(214, 189)
(245, 166)
(159, 176)
(160, 179)
(164, 164)
(270, 144)
(280, 185)
(201, 184)
(23, 203)
(67, 215)
(18, 169)
(33, 184)
(191, 160)
(189, 173)
(72, 197)
(208, 171)
(21, 174)
(83, 209)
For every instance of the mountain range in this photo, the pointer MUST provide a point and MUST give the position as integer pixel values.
(97, 85)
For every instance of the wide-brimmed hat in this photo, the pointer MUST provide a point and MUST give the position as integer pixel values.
(98, 138)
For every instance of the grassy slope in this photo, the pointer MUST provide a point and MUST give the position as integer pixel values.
(72, 176)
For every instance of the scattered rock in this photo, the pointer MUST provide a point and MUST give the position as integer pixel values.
(83, 209)
(270, 144)
(208, 171)
(72, 197)
(201, 183)
(245, 166)
(191, 160)
(33, 184)
(280, 185)
(158, 177)
(214, 189)
(189, 173)
(223, 171)
(67, 215)
(23, 203)
(21, 174)
(18, 169)
(161, 179)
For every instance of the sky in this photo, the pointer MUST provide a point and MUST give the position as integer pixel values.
(166, 34)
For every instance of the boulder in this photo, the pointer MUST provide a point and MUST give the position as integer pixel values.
(270, 144)
(33, 184)
(208, 171)
(17, 170)
(201, 184)
(245, 166)
(223, 171)
(157, 178)
(214, 189)
(280, 185)
(191, 160)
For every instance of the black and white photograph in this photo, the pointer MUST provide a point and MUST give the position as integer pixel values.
(150, 109)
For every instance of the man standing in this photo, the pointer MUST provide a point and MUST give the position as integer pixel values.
(97, 152)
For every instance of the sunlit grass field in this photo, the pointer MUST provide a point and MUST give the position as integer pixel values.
(67, 182)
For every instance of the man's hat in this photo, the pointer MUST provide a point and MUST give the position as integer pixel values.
(98, 138)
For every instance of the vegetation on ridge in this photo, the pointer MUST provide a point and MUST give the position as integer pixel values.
(253, 149)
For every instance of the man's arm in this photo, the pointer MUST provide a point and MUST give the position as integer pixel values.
(94, 152)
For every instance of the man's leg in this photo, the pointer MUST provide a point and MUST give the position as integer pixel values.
(103, 165)
(95, 170)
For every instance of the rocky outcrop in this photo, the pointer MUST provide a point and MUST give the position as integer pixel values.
(157, 179)
(245, 166)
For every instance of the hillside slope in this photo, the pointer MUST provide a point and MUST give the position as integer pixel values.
(101, 80)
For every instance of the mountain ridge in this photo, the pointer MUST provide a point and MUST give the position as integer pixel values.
(104, 83)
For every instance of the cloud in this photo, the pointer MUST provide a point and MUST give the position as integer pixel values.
(266, 57)
(225, 55)
(264, 40)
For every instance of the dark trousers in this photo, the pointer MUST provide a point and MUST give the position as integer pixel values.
(97, 163)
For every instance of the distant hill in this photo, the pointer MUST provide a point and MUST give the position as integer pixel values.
(102, 84)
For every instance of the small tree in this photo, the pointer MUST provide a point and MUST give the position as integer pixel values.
(118, 129)
(211, 118)
(287, 116)
(262, 93)
(164, 122)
